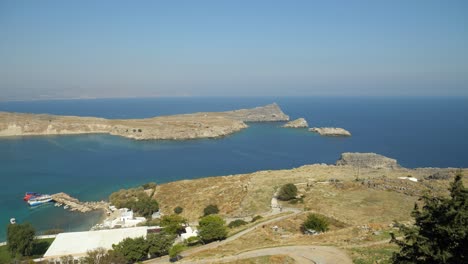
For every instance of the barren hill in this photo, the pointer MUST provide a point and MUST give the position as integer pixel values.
(176, 127)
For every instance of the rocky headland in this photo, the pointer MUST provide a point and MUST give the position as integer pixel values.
(297, 123)
(175, 127)
(331, 131)
(367, 160)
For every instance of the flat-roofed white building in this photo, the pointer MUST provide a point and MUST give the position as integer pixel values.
(77, 244)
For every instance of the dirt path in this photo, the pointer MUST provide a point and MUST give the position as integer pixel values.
(301, 254)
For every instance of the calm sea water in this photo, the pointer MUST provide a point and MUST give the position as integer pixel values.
(419, 132)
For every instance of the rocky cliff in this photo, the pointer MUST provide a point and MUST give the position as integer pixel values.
(331, 131)
(189, 126)
(298, 123)
(367, 160)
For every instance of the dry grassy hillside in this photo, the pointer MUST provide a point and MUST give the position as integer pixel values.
(360, 195)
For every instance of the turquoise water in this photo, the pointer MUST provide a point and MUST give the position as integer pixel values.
(418, 132)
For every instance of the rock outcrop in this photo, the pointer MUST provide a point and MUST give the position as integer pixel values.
(367, 160)
(298, 123)
(176, 127)
(331, 131)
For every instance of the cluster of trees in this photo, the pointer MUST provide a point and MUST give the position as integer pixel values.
(20, 239)
(440, 232)
(137, 249)
(287, 192)
(135, 199)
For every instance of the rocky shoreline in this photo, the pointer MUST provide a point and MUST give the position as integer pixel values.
(175, 127)
(297, 123)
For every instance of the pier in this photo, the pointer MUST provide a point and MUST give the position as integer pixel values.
(74, 204)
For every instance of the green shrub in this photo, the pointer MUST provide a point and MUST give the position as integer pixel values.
(256, 218)
(287, 192)
(192, 241)
(178, 210)
(173, 223)
(315, 222)
(210, 209)
(174, 252)
(212, 227)
(237, 223)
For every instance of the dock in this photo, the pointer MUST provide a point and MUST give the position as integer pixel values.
(74, 204)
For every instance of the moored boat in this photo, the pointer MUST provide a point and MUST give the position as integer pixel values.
(29, 195)
(38, 200)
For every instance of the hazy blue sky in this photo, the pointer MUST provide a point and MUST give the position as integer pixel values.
(56, 49)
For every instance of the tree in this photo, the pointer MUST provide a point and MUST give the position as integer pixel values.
(159, 244)
(440, 232)
(212, 227)
(287, 192)
(172, 223)
(210, 209)
(178, 210)
(315, 222)
(20, 239)
(174, 252)
(133, 249)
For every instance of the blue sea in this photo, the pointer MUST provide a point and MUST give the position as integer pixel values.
(417, 131)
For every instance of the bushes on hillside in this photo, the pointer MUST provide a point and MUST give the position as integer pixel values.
(173, 223)
(137, 249)
(256, 218)
(178, 210)
(211, 228)
(135, 199)
(287, 192)
(237, 223)
(210, 209)
(315, 222)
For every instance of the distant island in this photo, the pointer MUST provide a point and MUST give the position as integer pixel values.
(174, 127)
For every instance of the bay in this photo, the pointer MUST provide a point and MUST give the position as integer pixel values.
(417, 131)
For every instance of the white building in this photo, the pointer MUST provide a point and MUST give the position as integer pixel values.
(189, 232)
(77, 244)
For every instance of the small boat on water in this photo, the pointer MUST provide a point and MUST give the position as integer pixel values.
(38, 200)
(29, 195)
(12, 221)
(66, 207)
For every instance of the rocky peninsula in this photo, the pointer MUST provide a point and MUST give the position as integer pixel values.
(297, 123)
(174, 127)
(367, 160)
(331, 131)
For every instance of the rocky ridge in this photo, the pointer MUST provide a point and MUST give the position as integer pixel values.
(331, 131)
(298, 123)
(367, 160)
(175, 127)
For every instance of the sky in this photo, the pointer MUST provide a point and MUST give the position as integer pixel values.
(102, 49)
